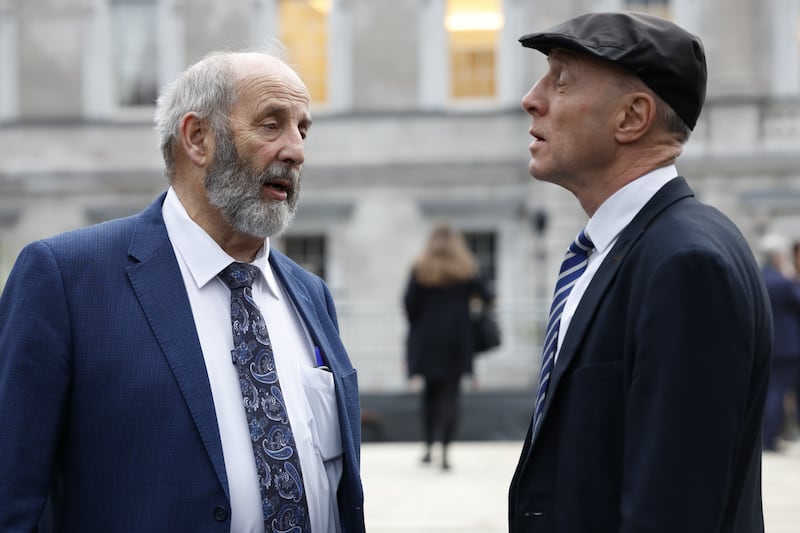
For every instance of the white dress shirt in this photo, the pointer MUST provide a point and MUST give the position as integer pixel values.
(308, 391)
(604, 228)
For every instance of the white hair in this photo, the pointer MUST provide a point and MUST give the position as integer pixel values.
(205, 88)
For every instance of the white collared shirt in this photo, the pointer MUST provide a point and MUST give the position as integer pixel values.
(604, 228)
(307, 390)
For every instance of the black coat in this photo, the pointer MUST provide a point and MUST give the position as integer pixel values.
(439, 337)
(652, 421)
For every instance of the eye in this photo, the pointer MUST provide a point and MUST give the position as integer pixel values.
(270, 129)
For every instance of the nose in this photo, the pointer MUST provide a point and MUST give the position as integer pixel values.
(531, 102)
(293, 150)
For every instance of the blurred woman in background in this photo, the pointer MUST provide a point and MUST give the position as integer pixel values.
(440, 347)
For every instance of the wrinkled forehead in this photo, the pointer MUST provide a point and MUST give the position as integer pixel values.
(254, 67)
(262, 79)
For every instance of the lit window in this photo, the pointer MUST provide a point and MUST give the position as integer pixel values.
(304, 31)
(659, 8)
(135, 52)
(472, 28)
(308, 251)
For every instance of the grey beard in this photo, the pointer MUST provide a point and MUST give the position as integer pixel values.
(235, 190)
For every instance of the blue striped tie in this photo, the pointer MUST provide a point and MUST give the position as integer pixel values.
(572, 267)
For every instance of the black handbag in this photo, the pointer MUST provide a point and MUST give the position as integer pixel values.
(485, 329)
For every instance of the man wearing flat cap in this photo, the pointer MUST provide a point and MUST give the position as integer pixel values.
(648, 408)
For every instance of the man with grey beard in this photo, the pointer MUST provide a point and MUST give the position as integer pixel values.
(171, 371)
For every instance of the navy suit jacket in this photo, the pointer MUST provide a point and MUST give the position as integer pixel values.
(784, 295)
(653, 417)
(105, 403)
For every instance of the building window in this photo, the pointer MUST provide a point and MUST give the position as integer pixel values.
(135, 52)
(308, 251)
(484, 246)
(304, 31)
(472, 29)
(659, 8)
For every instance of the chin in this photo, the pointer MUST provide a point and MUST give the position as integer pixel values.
(542, 175)
(535, 172)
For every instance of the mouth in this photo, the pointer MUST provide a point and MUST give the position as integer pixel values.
(536, 142)
(278, 189)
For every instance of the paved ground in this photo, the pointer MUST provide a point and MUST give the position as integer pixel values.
(402, 496)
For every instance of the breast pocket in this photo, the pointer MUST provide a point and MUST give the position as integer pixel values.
(321, 397)
(594, 395)
(611, 371)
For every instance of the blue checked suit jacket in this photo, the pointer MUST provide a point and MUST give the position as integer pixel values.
(107, 418)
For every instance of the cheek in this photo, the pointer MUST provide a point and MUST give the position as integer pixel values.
(583, 128)
(257, 157)
(266, 153)
(255, 149)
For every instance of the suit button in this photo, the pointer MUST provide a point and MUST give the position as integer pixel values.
(220, 514)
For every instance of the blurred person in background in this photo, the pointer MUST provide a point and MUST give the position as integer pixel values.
(170, 371)
(648, 412)
(793, 432)
(443, 281)
(784, 296)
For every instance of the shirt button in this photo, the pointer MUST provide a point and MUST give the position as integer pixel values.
(220, 514)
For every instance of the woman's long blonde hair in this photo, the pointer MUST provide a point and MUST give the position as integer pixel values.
(446, 259)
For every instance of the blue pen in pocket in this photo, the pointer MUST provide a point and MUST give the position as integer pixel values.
(319, 360)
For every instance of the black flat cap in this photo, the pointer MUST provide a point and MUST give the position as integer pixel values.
(667, 58)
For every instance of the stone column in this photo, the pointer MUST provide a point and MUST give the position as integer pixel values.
(97, 90)
(171, 41)
(340, 56)
(8, 63)
(510, 53)
(50, 37)
(736, 37)
(433, 85)
(785, 64)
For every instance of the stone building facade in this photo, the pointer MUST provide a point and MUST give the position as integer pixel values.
(392, 150)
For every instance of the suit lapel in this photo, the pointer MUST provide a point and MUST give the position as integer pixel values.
(304, 304)
(157, 282)
(673, 191)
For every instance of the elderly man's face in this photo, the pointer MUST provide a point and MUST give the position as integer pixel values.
(255, 177)
(573, 108)
(236, 187)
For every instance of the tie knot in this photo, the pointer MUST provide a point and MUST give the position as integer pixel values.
(238, 275)
(582, 244)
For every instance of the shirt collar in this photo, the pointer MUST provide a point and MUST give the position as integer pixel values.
(204, 258)
(618, 210)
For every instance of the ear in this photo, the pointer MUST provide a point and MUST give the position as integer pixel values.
(635, 118)
(196, 139)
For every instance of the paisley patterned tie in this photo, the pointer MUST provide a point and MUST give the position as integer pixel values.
(282, 494)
